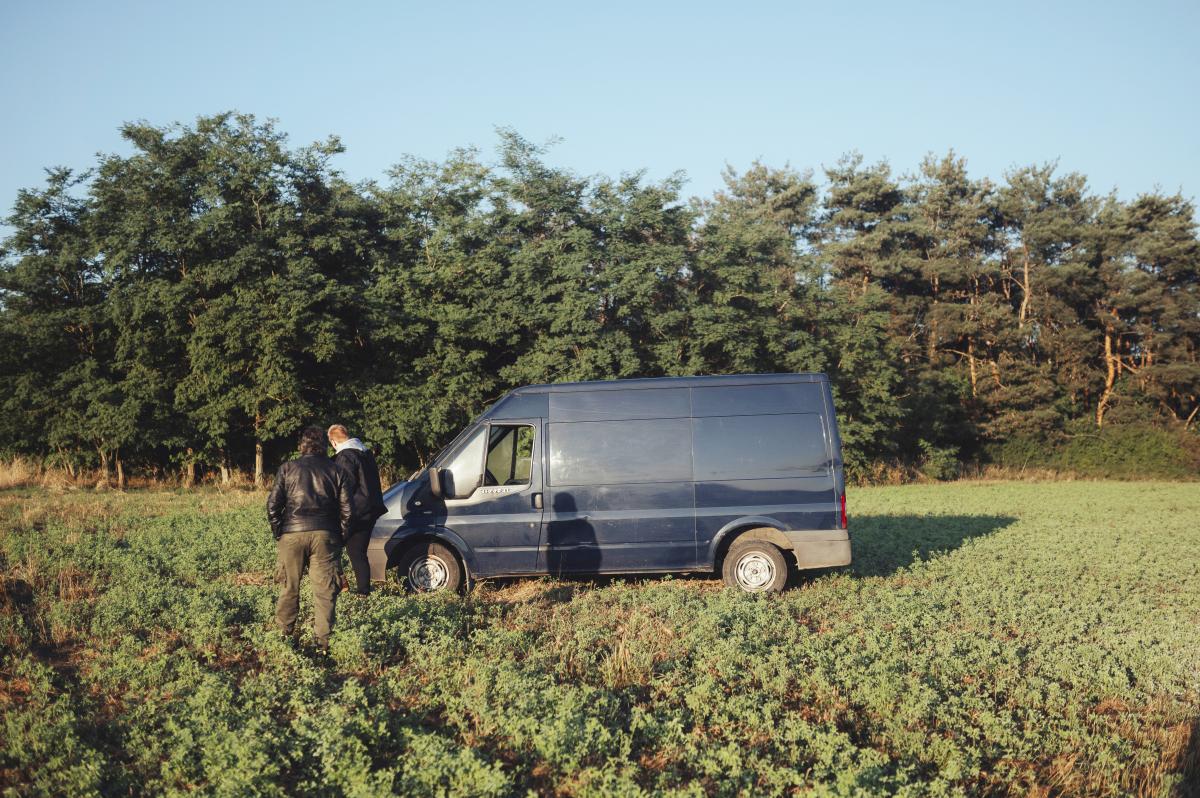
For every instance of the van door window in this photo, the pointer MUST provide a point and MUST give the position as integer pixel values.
(510, 455)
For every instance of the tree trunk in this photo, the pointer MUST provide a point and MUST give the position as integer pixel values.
(226, 478)
(120, 470)
(258, 463)
(189, 470)
(931, 344)
(1025, 288)
(1110, 378)
(103, 464)
(971, 362)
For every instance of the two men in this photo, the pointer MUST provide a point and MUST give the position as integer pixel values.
(315, 506)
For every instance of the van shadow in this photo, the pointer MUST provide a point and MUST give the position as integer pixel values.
(1189, 765)
(883, 544)
(572, 540)
(880, 546)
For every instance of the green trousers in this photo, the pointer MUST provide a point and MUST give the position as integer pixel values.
(319, 553)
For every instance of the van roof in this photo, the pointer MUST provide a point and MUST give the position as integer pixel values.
(669, 382)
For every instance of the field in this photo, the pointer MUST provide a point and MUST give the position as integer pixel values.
(991, 639)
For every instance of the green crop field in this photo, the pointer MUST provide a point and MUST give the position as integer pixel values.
(991, 639)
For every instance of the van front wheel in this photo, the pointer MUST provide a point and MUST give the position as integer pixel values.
(755, 566)
(429, 567)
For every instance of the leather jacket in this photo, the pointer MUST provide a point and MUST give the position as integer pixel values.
(310, 494)
(367, 498)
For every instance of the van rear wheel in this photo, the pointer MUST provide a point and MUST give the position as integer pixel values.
(755, 566)
(429, 567)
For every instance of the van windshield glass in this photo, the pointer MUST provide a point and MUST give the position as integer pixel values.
(462, 466)
(452, 446)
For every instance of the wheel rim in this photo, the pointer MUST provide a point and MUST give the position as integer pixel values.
(754, 572)
(429, 573)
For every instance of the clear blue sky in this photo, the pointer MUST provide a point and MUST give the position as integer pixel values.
(1109, 89)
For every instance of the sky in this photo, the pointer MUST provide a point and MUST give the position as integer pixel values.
(1111, 90)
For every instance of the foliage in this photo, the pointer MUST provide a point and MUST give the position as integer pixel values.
(990, 638)
(195, 302)
(1127, 451)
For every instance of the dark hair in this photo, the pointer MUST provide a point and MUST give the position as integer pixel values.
(312, 441)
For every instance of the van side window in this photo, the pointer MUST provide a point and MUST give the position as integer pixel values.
(510, 455)
(620, 452)
(759, 447)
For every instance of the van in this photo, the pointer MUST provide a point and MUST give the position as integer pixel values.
(740, 475)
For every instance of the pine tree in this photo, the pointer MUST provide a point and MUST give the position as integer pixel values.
(756, 286)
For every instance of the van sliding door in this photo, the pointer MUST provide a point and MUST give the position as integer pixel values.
(620, 496)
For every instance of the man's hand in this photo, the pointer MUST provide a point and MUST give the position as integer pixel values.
(276, 504)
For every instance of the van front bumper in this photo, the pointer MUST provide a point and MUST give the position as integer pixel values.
(826, 548)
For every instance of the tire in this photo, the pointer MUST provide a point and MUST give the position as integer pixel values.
(755, 566)
(429, 567)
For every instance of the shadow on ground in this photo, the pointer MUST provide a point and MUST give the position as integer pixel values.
(1189, 766)
(883, 544)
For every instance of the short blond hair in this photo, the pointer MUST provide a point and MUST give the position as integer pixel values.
(338, 432)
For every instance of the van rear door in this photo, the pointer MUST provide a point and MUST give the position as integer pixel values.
(762, 451)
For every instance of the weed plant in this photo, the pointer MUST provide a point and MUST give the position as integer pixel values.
(990, 639)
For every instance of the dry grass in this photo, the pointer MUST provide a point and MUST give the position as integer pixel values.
(18, 472)
(25, 472)
(243, 578)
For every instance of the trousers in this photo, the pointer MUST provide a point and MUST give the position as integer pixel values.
(356, 550)
(318, 553)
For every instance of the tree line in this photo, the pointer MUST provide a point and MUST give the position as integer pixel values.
(192, 304)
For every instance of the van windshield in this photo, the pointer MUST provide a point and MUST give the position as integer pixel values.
(449, 448)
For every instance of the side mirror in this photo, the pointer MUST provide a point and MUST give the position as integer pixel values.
(435, 482)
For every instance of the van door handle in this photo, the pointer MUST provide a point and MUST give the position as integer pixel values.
(537, 501)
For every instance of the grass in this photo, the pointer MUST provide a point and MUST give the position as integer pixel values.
(990, 639)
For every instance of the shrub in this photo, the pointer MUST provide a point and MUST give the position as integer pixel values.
(1138, 450)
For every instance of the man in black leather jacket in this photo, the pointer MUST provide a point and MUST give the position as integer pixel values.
(352, 456)
(309, 509)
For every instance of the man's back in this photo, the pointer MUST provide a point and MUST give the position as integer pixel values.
(310, 494)
(367, 495)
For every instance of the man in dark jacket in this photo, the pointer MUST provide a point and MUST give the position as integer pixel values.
(309, 509)
(357, 461)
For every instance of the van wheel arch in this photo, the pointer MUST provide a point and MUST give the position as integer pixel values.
(766, 534)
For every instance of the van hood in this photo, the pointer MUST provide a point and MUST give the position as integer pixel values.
(397, 495)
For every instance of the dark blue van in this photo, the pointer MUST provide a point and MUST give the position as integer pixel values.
(741, 474)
